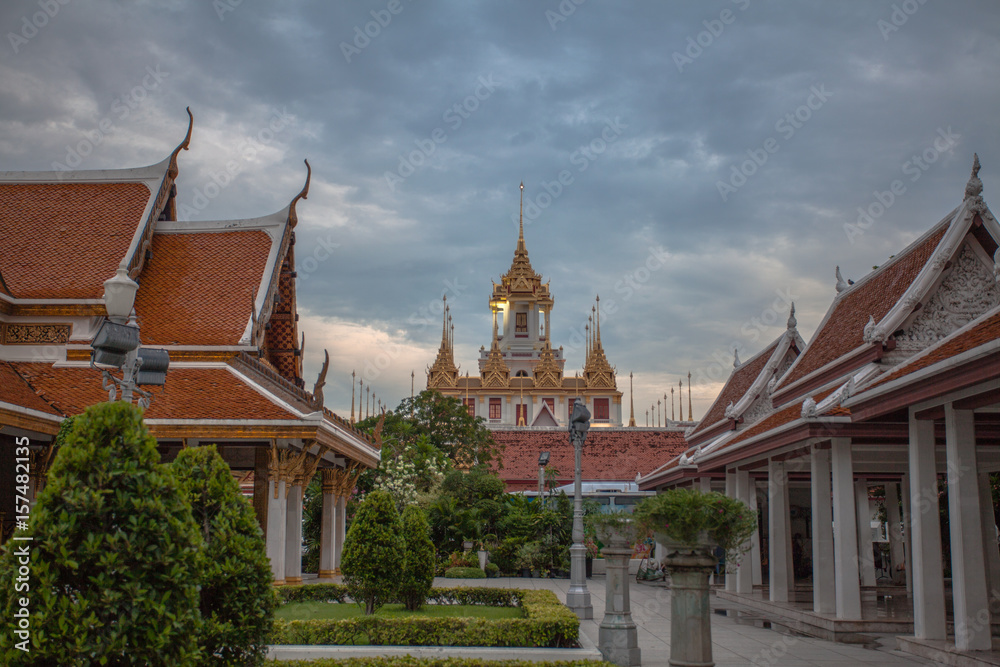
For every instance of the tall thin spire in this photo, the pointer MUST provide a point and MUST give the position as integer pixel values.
(690, 412)
(368, 395)
(520, 233)
(444, 320)
(631, 402)
(352, 397)
(664, 408)
(361, 395)
(658, 413)
(673, 415)
(597, 321)
(680, 398)
(413, 374)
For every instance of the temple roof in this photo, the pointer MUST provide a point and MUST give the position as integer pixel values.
(521, 281)
(202, 278)
(63, 240)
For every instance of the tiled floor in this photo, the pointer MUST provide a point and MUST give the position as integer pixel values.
(737, 640)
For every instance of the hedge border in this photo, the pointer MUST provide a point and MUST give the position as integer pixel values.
(410, 661)
(546, 623)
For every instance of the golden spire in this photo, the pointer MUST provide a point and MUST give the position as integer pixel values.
(598, 320)
(444, 373)
(361, 393)
(368, 392)
(665, 408)
(495, 371)
(597, 371)
(690, 412)
(547, 372)
(680, 397)
(631, 402)
(352, 397)
(658, 404)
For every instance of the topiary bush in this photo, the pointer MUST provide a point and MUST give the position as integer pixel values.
(373, 552)
(417, 576)
(492, 570)
(237, 598)
(464, 573)
(114, 554)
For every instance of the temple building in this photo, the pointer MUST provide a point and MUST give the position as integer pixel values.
(894, 401)
(218, 296)
(521, 379)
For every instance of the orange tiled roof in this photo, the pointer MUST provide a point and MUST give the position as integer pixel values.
(14, 389)
(736, 386)
(197, 288)
(63, 240)
(608, 455)
(787, 414)
(190, 393)
(985, 331)
(844, 328)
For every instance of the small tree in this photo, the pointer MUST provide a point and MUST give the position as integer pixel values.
(237, 598)
(373, 552)
(113, 556)
(417, 575)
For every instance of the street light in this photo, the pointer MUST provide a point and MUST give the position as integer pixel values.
(116, 344)
(543, 460)
(578, 597)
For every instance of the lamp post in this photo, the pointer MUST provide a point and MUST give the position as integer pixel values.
(116, 345)
(543, 460)
(578, 597)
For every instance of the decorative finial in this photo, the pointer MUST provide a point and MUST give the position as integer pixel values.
(792, 322)
(841, 284)
(974, 187)
(520, 232)
(736, 358)
(317, 391)
(293, 219)
(173, 170)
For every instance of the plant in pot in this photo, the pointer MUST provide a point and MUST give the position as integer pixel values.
(690, 524)
(528, 557)
(613, 527)
(689, 521)
(487, 544)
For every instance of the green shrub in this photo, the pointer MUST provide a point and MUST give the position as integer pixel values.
(685, 515)
(417, 575)
(237, 597)
(492, 570)
(113, 578)
(373, 552)
(463, 559)
(506, 556)
(547, 622)
(464, 573)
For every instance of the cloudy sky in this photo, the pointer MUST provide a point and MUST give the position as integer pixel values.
(694, 164)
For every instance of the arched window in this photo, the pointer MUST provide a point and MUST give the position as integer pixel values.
(521, 374)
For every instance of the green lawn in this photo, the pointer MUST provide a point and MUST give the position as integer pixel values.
(302, 611)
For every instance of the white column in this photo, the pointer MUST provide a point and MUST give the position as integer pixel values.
(904, 488)
(845, 536)
(328, 528)
(731, 493)
(968, 567)
(866, 553)
(276, 528)
(744, 573)
(824, 592)
(293, 535)
(705, 484)
(756, 573)
(925, 533)
(339, 532)
(779, 531)
(895, 531)
(991, 553)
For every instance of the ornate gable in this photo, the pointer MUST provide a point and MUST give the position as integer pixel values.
(967, 291)
(547, 371)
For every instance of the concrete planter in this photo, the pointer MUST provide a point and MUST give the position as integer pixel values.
(617, 637)
(690, 567)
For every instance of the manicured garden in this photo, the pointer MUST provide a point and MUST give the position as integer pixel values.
(338, 611)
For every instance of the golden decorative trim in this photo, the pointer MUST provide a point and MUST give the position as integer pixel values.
(293, 581)
(56, 310)
(327, 574)
(278, 582)
(34, 334)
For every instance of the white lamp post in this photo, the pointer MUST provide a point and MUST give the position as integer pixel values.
(578, 597)
(117, 344)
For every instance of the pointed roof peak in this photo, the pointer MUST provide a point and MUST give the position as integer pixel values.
(974, 188)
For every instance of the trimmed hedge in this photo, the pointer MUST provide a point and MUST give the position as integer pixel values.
(547, 622)
(464, 573)
(410, 661)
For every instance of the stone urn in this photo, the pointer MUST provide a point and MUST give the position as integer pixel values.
(618, 640)
(690, 566)
(483, 558)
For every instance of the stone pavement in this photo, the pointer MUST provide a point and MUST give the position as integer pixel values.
(737, 638)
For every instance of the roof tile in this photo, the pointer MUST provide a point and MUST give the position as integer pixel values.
(63, 240)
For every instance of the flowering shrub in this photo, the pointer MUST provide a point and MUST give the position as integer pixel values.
(400, 478)
(684, 515)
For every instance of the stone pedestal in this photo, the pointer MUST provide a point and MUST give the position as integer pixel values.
(690, 622)
(618, 640)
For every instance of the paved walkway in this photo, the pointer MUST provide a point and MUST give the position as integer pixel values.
(737, 638)
(739, 635)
